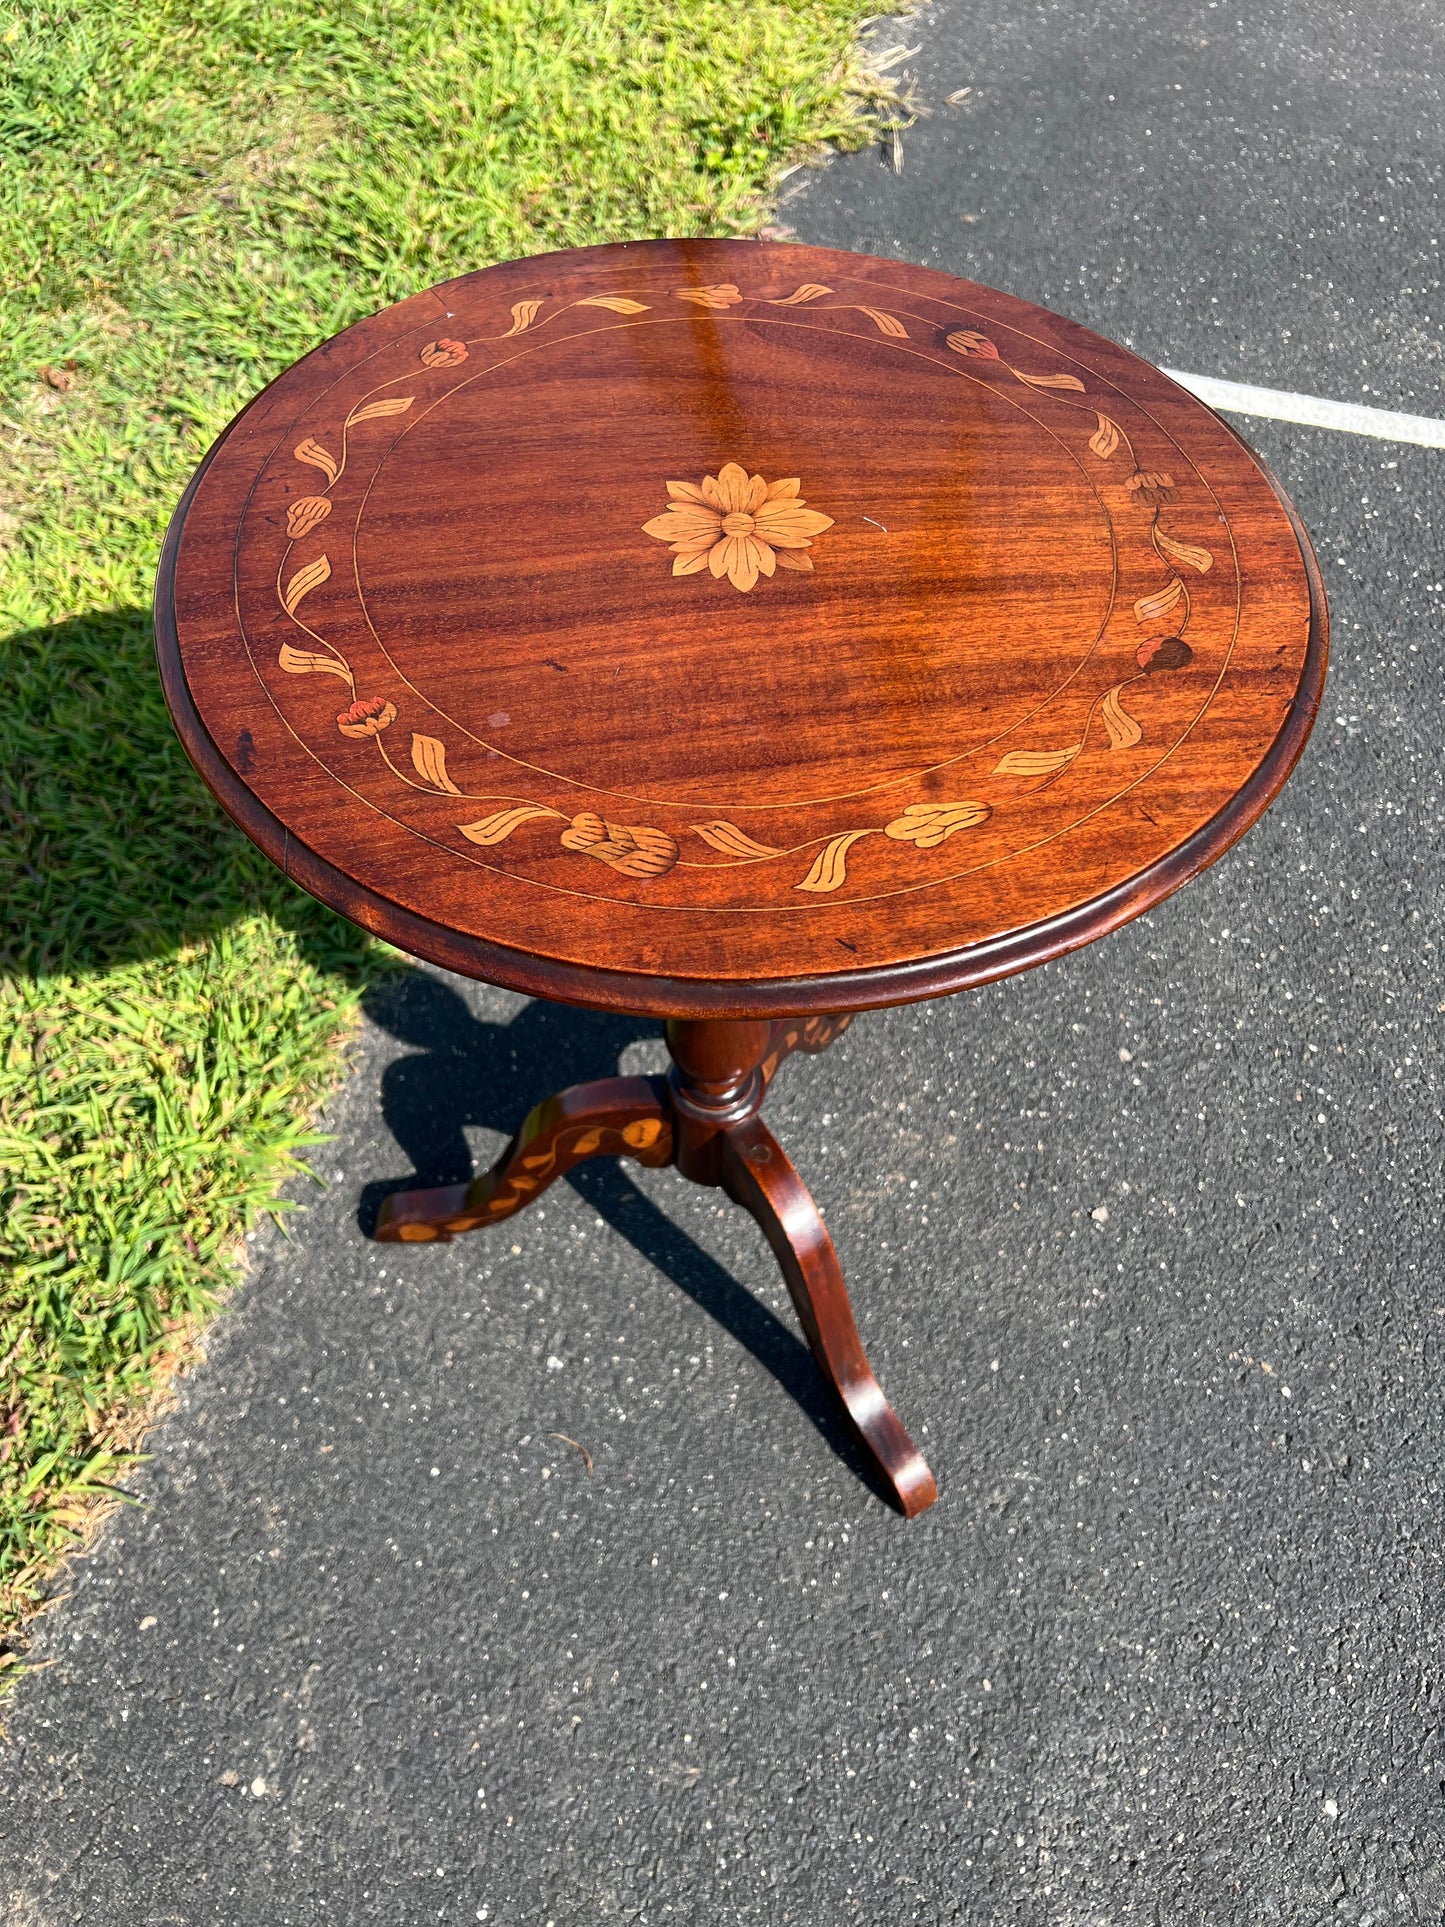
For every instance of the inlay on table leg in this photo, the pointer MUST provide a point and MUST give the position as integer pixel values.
(613, 1117)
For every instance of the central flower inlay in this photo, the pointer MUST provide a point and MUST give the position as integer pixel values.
(737, 525)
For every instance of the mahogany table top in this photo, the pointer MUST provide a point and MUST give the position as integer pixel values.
(728, 628)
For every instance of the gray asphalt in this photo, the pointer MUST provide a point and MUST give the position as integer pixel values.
(1145, 1245)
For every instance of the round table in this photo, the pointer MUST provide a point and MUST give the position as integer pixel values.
(745, 634)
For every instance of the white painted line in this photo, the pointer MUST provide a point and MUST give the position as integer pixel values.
(1276, 405)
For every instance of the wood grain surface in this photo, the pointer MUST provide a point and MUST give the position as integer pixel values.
(736, 629)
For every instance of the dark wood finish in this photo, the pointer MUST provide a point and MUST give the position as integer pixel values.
(704, 1119)
(757, 1174)
(1061, 641)
(746, 635)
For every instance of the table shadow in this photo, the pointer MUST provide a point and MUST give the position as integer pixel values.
(112, 850)
(465, 1071)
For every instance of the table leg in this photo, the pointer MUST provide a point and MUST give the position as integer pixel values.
(719, 1078)
(759, 1175)
(614, 1117)
(703, 1118)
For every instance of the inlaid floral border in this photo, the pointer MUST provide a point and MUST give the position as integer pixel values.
(644, 852)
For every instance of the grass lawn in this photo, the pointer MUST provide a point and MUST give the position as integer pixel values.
(192, 194)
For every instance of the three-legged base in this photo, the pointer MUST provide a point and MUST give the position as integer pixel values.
(704, 1119)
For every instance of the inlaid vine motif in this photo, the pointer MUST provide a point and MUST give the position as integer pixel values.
(740, 527)
(1163, 647)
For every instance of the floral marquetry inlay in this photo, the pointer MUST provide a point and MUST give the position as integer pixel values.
(973, 626)
(740, 527)
(737, 525)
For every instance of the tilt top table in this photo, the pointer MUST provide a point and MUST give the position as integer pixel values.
(747, 635)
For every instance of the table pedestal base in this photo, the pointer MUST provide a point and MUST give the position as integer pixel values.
(703, 1118)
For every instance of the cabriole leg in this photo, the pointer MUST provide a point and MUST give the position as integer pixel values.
(614, 1117)
(758, 1174)
(721, 1071)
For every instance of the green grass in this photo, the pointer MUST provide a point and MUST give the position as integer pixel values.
(192, 194)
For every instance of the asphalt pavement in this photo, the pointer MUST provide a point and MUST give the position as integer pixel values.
(1145, 1245)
